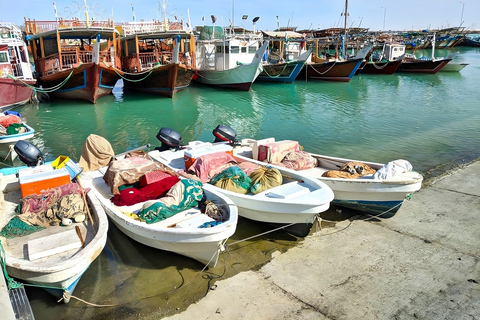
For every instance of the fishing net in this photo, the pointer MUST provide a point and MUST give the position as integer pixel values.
(232, 179)
(15, 128)
(18, 228)
(265, 178)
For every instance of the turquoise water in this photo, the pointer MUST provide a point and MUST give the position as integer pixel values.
(431, 120)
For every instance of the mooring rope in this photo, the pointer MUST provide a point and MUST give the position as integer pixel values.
(278, 75)
(322, 73)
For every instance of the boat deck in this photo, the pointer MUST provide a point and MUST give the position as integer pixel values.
(43, 248)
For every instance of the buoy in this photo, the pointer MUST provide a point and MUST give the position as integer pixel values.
(66, 222)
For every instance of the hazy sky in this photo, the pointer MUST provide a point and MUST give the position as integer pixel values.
(320, 14)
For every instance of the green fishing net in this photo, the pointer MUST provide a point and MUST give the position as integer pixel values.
(17, 228)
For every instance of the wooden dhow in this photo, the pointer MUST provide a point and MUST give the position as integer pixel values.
(75, 59)
(157, 57)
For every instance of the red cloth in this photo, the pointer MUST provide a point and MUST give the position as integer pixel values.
(9, 119)
(209, 165)
(131, 196)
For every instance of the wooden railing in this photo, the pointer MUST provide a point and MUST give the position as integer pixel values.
(33, 27)
(144, 61)
(52, 63)
(149, 26)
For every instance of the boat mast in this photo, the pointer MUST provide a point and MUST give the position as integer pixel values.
(345, 29)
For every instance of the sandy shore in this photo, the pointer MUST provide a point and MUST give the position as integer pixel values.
(424, 263)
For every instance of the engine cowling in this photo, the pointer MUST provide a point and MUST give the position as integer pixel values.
(28, 153)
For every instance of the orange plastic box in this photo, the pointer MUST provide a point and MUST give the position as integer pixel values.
(190, 155)
(35, 180)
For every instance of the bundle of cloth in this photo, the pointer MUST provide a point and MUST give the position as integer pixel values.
(11, 123)
(350, 170)
(223, 171)
(39, 211)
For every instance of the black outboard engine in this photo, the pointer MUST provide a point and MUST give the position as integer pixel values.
(224, 133)
(28, 153)
(169, 139)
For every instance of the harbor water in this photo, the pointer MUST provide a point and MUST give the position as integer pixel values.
(433, 121)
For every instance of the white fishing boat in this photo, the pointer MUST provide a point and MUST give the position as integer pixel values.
(228, 61)
(55, 257)
(380, 192)
(7, 141)
(185, 233)
(292, 205)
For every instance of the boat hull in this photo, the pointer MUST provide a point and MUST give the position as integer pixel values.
(14, 92)
(388, 67)
(239, 78)
(422, 66)
(164, 80)
(376, 198)
(60, 273)
(7, 142)
(88, 81)
(331, 71)
(201, 244)
(283, 72)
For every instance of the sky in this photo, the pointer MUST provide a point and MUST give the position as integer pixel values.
(377, 15)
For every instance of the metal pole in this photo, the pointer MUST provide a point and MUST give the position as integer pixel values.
(461, 18)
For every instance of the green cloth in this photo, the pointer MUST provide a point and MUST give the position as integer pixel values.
(183, 195)
(15, 128)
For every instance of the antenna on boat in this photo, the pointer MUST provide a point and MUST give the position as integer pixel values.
(244, 17)
(214, 19)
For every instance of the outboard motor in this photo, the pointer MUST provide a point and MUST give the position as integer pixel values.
(28, 153)
(224, 133)
(169, 139)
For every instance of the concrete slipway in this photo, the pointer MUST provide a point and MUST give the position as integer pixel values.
(421, 264)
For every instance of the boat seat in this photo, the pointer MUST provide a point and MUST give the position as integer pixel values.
(285, 191)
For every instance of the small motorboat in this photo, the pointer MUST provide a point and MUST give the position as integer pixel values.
(374, 188)
(292, 204)
(191, 231)
(19, 131)
(53, 257)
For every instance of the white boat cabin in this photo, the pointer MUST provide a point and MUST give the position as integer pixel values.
(223, 52)
(13, 53)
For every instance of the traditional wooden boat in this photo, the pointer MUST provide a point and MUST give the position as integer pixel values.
(158, 57)
(286, 58)
(284, 71)
(75, 59)
(55, 257)
(380, 194)
(412, 64)
(16, 79)
(292, 205)
(228, 61)
(332, 71)
(385, 62)
(7, 141)
(190, 232)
